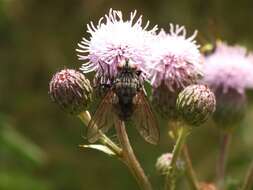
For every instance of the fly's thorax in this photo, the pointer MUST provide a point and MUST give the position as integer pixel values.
(127, 85)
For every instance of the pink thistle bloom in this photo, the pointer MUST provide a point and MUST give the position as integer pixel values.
(175, 60)
(114, 40)
(229, 68)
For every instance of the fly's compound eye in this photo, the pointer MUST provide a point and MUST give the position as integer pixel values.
(138, 73)
(120, 65)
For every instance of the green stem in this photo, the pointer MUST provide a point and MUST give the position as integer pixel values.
(170, 178)
(129, 156)
(248, 182)
(222, 161)
(126, 154)
(182, 134)
(190, 173)
(85, 118)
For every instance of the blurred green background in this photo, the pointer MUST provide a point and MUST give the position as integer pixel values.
(39, 143)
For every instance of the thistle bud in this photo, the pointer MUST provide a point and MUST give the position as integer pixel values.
(195, 104)
(71, 91)
(163, 164)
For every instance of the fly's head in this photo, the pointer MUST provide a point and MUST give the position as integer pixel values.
(128, 67)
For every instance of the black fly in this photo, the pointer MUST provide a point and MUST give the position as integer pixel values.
(125, 99)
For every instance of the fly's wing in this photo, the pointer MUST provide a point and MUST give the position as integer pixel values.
(103, 119)
(144, 119)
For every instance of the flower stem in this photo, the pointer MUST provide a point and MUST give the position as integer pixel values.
(85, 118)
(130, 158)
(190, 173)
(248, 182)
(222, 160)
(170, 178)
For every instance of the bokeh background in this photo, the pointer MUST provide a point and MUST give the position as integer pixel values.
(39, 143)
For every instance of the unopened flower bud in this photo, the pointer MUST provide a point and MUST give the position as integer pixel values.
(195, 104)
(163, 164)
(71, 91)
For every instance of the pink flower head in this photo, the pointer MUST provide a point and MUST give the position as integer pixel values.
(229, 67)
(114, 40)
(176, 59)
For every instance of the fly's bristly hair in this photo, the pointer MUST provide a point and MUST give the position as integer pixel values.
(125, 99)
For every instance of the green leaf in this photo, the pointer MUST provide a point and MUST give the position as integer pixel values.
(99, 147)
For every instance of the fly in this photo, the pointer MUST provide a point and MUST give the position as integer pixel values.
(124, 100)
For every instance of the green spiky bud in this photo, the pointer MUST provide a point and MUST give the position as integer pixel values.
(195, 104)
(163, 164)
(71, 91)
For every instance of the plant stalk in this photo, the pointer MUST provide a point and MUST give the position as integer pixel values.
(222, 160)
(170, 178)
(248, 182)
(190, 173)
(85, 118)
(130, 158)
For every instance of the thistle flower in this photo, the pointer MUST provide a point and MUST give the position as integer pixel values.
(228, 72)
(195, 104)
(70, 90)
(175, 60)
(229, 67)
(175, 64)
(114, 40)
